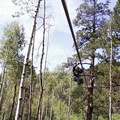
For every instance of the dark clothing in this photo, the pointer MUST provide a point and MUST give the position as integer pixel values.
(78, 71)
(78, 79)
(77, 74)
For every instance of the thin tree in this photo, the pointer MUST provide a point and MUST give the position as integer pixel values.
(110, 91)
(45, 69)
(31, 81)
(48, 32)
(39, 109)
(13, 102)
(2, 85)
(18, 115)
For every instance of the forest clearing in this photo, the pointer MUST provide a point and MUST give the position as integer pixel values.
(84, 85)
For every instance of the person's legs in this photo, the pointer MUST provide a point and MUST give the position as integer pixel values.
(76, 79)
(80, 81)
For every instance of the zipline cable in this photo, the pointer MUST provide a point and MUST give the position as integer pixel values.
(72, 32)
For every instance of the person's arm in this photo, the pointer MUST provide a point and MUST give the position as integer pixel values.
(74, 68)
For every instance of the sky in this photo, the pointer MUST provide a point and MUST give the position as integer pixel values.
(60, 40)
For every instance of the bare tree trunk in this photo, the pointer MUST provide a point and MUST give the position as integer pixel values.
(30, 98)
(39, 109)
(45, 69)
(47, 49)
(31, 81)
(18, 115)
(13, 103)
(2, 89)
(2, 85)
(110, 91)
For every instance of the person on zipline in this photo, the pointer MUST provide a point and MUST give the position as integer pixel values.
(77, 74)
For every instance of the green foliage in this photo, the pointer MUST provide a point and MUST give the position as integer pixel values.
(116, 116)
(12, 44)
(91, 18)
(101, 93)
(101, 118)
(116, 30)
(60, 110)
(116, 15)
(93, 38)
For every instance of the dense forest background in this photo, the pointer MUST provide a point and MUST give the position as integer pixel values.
(49, 95)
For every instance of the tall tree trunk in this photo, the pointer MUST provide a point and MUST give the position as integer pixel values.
(2, 89)
(39, 109)
(2, 86)
(91, 85)
(90, 91)
(110, 91)
(47, 47)
(31, 81)
(2, 80)
(30, 97)
(18, 115)
(13, 102)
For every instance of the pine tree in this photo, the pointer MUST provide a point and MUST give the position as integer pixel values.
(91, 18)
(116, 15)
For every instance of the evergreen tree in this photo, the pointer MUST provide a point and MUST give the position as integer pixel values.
(91, 18)
(116, 15)
(116, 30)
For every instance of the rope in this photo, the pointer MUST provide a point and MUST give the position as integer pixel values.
(72, 32)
